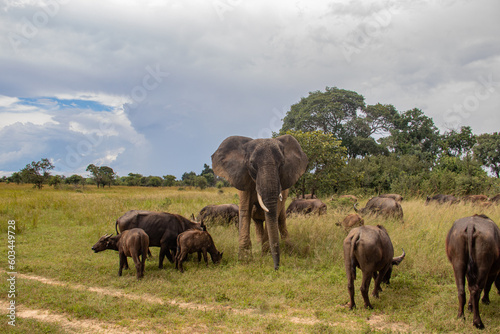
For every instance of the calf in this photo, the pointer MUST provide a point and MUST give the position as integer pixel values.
(351, 221)
(475, 199)
(396, 197)
(370, 249)
(473, 248)
(130, 243)
(442, 199)
(195, 241)
(222, 213)
(387, 207)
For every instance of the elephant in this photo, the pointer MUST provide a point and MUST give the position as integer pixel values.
(262, 170)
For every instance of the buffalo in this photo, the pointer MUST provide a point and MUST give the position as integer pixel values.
(351, 221)
(495, 199)
(442, 199)
(382, 206)
(475, 199)
(130, 243)
(306, 206)
(196, 241)
(161, 227)
(370, 249)
(396, 197)
(473, 248)
(222, 213)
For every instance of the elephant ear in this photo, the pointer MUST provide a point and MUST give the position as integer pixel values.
(229, 162)
(295, 161)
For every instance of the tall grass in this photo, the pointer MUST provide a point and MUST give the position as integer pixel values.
(56, 229)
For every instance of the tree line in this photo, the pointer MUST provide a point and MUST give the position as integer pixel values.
(352, 148)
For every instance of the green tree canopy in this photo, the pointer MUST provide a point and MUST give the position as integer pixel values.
(103, 175)
(487, 151)
(37, 172)
(326, 158)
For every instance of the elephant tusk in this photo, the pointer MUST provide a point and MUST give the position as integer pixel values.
(281, 197)
(261, 203)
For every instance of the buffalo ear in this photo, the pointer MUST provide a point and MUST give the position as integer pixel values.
(295, 161)
(229, 162)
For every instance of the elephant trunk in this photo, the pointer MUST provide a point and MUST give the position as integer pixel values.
(268, 200)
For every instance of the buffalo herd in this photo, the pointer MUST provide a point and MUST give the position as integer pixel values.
(472, 243)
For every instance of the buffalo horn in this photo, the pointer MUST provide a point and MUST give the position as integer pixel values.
(397, 260)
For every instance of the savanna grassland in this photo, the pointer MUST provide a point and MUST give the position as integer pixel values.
(63, 287)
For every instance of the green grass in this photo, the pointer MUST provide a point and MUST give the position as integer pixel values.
(57, 228)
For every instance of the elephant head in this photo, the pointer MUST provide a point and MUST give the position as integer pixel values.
(261, 168)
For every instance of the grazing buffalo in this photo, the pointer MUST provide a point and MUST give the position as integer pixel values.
(196, 241)
(442, 199)
(351, 221)
(161, 227)
(130, 243)
(370, 249)
(396, 197)
(306, 206)
(223, 214)
(475, 199)
(473, 248)
(382, 206)
(495, 199)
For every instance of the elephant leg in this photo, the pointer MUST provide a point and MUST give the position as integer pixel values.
(262, 236)
(245, 244)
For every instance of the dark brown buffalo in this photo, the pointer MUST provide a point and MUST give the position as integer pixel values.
(351, 221)
(495, 199)
(382, 206)
(473, 248)
(161, 227)
(442, 199)
(475, 199)
(306, 206)
(225, 214)
(396, 197)
(130, 243)
(196, 241)
(370, 249)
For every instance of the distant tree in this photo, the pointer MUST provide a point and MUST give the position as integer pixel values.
(487, 151)
(208, 174)
(169, 180)
(15, 177)
(154, 181)
(74, 179)
(133, 179)
(413, 134)
(37, 172)
(55, 180)
(458, 144)
(188, 179)
(326, 157)
(200, 181)
(103, 175)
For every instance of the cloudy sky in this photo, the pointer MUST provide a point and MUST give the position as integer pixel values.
(153, 87)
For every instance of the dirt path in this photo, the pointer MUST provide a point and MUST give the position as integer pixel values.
(93, 326)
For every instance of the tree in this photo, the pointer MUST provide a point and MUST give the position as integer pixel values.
(103, 175)
(208, 174)
(487, 151)
(37, 172)
(457, 144)
(188, 179)
(74, 179)
(326, 157)
(413, 133)
(342, 113)
(169, 180)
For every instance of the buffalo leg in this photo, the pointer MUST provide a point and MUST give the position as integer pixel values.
(475, 293)
(138, 265)
(459, 271)
(123, 260)
(205, 257)
(350, 288)
(486, 294)
(378, 280)
(181, 256)
(365, 286)
(199, 256)
(164, 251)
